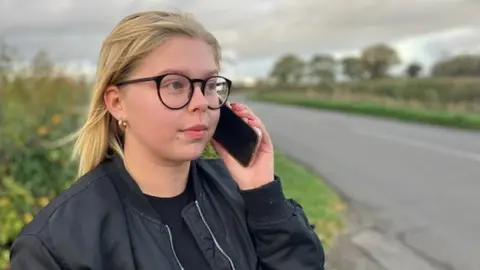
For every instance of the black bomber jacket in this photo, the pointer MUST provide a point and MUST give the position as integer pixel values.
(103, 221)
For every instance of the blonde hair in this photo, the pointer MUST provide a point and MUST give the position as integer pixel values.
(130, 41)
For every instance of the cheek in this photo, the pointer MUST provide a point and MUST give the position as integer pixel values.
(213, 117)
(143, 106)
(150, 118)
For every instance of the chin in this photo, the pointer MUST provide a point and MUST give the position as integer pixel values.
(192, 152)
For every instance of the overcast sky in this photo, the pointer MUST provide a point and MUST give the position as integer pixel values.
(254, 31)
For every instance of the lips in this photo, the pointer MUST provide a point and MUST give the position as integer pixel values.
(196, 132)
(196, 128)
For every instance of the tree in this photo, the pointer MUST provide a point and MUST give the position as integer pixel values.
(465, 65)
(288, 69)
(413, 70)
(352, 68)
(7, 55)
(321, 68)
(6, 60)
(378, 59)
(41, 65)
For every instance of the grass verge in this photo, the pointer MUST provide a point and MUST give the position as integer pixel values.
(436, 117)
(322, 205)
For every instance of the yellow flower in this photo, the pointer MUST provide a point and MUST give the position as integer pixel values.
(43, 130)
(27, 217)
(43, 201)
(63, 162)
(339, 207)
(56, 119)
(4, 201)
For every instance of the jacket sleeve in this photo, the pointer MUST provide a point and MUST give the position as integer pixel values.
(280, 230)
(28, 252)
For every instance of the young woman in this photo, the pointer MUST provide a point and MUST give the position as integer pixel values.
(144, 198)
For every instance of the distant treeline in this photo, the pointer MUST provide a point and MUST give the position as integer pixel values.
(374, 62)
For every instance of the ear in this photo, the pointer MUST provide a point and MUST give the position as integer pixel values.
(114, 103)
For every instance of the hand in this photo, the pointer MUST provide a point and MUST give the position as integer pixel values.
(261, 169)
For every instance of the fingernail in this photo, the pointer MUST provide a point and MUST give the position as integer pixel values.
(259, 131)
(237, 106)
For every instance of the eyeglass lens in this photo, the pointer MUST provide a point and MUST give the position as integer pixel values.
(175, 91)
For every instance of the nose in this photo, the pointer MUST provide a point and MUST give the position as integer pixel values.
(198, 101)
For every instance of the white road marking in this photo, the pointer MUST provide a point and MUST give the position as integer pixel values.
(421, 144)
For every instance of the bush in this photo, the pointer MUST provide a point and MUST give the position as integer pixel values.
(437, 117)
(443, 90)
(33, 112)
(438, 93)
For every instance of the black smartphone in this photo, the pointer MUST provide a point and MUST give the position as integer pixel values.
(236, 136)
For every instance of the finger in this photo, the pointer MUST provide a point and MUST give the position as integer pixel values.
(244, 112)
(257, 124)
(238, 106)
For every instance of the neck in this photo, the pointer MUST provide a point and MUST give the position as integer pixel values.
(155, 177)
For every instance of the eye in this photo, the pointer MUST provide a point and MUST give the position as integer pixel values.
(211, 86)
(175, 82)
(176, 85)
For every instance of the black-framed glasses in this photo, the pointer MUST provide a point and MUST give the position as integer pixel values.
(176, 90)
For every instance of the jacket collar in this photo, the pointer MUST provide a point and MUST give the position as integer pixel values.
(131, 193)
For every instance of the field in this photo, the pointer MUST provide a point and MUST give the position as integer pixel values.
(446, 102)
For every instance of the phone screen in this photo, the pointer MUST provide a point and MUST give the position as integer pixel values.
(236, 136)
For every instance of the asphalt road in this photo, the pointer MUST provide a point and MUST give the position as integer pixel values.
(420, 184)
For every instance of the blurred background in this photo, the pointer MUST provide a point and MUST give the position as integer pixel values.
(413, 60)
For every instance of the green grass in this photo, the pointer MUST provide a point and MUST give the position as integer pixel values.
(323, 207)
(436, 117)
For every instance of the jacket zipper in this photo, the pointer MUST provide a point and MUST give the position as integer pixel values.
(173, 249)
(213, 236)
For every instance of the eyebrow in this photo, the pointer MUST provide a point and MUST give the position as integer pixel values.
(182, 72)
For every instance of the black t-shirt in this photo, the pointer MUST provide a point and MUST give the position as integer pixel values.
(186, 248)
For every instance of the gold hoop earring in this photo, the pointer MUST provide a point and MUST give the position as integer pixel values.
(122, 124)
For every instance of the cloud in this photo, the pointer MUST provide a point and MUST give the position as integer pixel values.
(254, 29)
(341, 25)
(431, 47)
